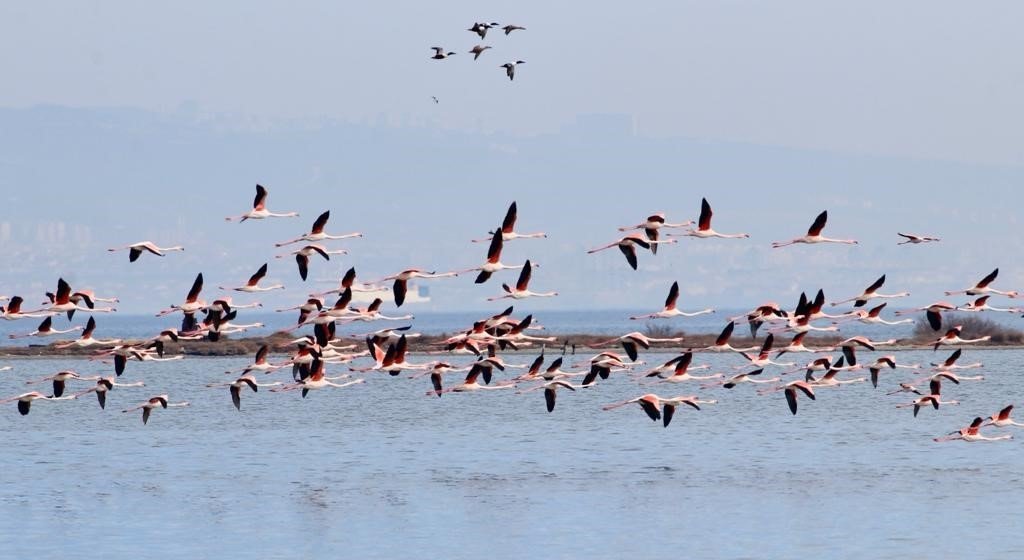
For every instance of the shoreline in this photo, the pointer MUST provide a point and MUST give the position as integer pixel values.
(280, 343)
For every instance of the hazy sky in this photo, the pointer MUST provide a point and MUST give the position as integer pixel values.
(892, 117)
(931, 79)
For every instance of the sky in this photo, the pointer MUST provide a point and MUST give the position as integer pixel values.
(124, 121)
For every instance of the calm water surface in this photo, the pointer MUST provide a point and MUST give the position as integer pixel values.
(382, 471)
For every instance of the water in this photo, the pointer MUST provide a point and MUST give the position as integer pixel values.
(382, 471)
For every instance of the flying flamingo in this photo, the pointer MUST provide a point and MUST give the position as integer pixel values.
(873, 317)
(508, 227)
(670, 366)
(791, 392)
(981, 304)
(916, 239)
(951, 363)
(46, 329)
(305, 309)
(64, 301)
(628, 245)
(192, 302)
(886, 362)
(159, 401)
(303, 254)
(972, 434)
(871, 293)
(763, 359)
(348, 282)
(704, 230)
(313, 377)
(952, 337)
(136, 249)
(316, 233)
(259, 209)
(471, 383)
(722, 342)
(260, 363)
(933, 313)
(669, 405)
(983, 287)
(235, 387)
(814, 235)
(25, 400)
(60, 379)
(13, 312)
(1002, 419)
(797, 346)
(521, 290)
(372, 313)
(652, 224)
(682, 373)
(253, 284)
(401, 285)
(830, 377)
(631, 341)
(105, 385)
(933, 399)
(550, 391)
(736, 380)
(493, 263)
(949, 376)
(87, 340)
(670, 309)
(651, 404)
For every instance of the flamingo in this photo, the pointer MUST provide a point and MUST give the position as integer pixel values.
(372, 313)
(682, 374)
(871, 293)
(521, 290)
(253, 286)
(736, 380)
(25, 400)
(814, 235)
(984, 287)
(603, 364)
(510, 28)
(763, 359)
(316, 233)
(830, 377)
(972, 434)
(60, 379)
(313, 377)
(790, 390)
(493, 263)
(669, 405)
(631, 341)
(260, 363)
(950, 376)
(508, 227)
(45, 328)
(885, 362)
(651, 404)
(13, 312)
(764, 313)
(348, 282)
(439, 53)
(933, 399)
(105, 385)
(670, 309)
(917, 239)
(628, 245)
(1002, 419)
(704, 230)
(981, 304)
(722, 342)
(797, 346)
(87, 340)
(510, 68)
(235, 387)
(401, 285)
(652, 225)
(306, 309)
(259, 209)
(952, 337)
(873, 317)
(933, 313)
(550, 391)
(64, 301)
(192, 302)
(136, 249)
(670, 366)
(303, 254)
(159, 401)
(471, 383)
(951, 363)
(436, 372)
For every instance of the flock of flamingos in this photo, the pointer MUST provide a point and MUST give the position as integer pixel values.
(385, 351)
